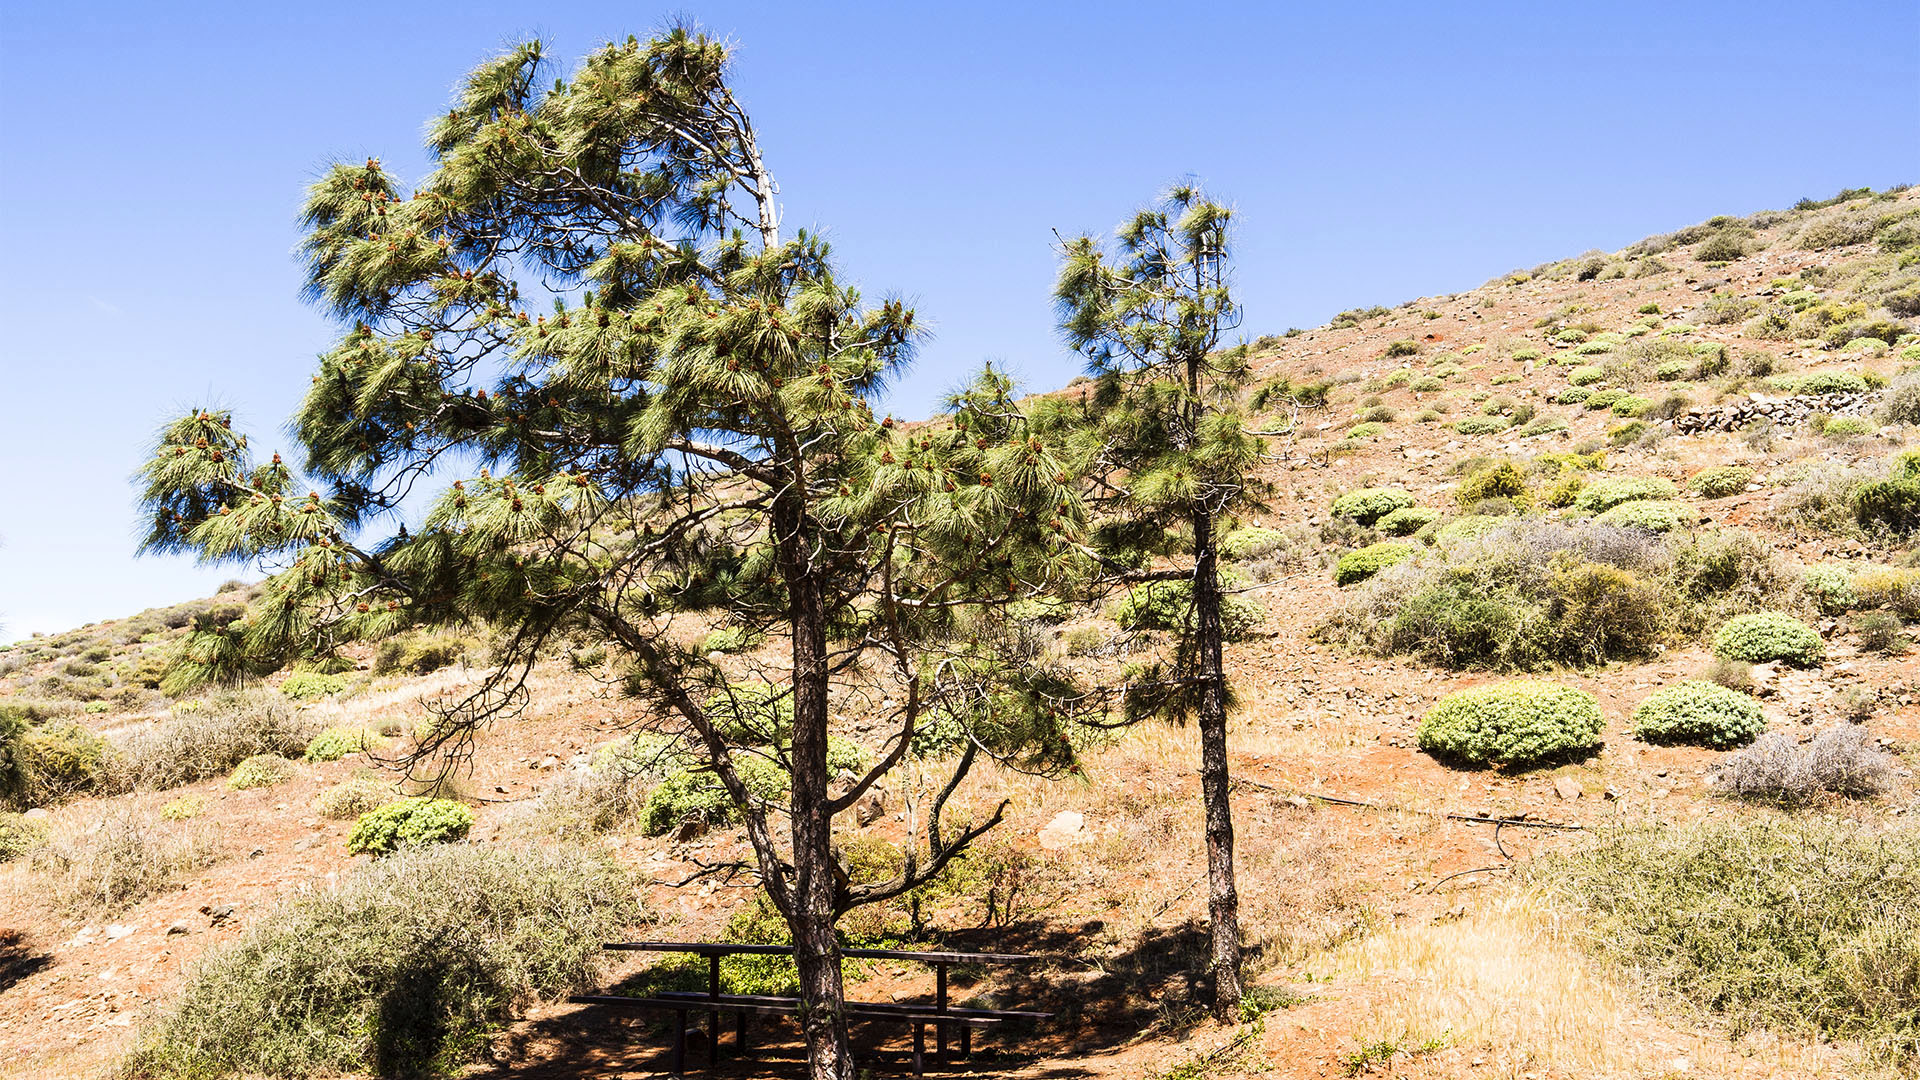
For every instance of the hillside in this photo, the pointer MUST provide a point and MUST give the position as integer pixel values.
(1583, 472)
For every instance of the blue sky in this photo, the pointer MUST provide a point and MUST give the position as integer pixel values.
(154, 157)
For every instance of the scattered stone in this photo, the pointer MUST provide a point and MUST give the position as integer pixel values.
(115, 931)
(1567, 787)
(870, 809)
(1063, 830)
(691, 829)
(179, 928)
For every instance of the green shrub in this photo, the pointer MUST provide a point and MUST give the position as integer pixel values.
(1894, 504)
(1407, 520)
(1626, 434)
(44, 765)
(1165, 605)
(1251, 542)
(402, 969)
(183, 808)
(260, 770)
(409, 823)
(1604, 399)
(1672, 370)
(1652, 516)
(698, 793)
(1365, 430)
(1572, 395)
(1503, 480)
(1519, 723)
(1426, 384)
(1831, 588)
(1766, 636)
(1881, 632)
(1605, 494)
(306, 685)
(1369, 505)
(1699, 713)
(1402, 348)
(1367, 561)
(200, 743)
(1586, 375)
(421, 652)
(1629, 406)
(1467, 527)
(1796, 923)
(1895, 588)
(19, 836)
(1720, 481)
(337, 742)
(1848, 427)
(1545, 425)
(730, 639)
(1726, 245)
(1825, 382)
(1482, 425)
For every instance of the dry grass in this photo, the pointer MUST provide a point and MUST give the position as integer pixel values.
(113, 862)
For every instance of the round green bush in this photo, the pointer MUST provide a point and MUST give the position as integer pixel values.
(1482, 425)
(1503, 480)
(260, 770)
(1601, 495)
(1767, 636)
(730, 639)
(1572, 395)
(1657, 517)
(1831, 588)
(1251, 542)
(1829, 382)
(1892, 503)
(409, 823)
(1630, 406)
(1699, 713)
(1469, 527)
(1369, 505)
(1604, 399)
(1842, 427)
(1367, 561)
(1720, 481)
(1365, 430)
(1407, 520)
(1672, 370)
(698, 793)
(302, 685)
(337, 742)
(1586, 375)
(1522, 722)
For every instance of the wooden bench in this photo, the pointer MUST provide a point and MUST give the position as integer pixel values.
(942, 1016)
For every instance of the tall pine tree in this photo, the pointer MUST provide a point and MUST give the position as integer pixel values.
(1172, 465)
(686, 436)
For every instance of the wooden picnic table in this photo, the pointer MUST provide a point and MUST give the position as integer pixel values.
(942, 1016)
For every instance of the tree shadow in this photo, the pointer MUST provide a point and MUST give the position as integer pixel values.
(18, 960)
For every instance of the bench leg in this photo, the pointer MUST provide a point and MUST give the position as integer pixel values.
(919, 1048)
(966, 1042)
(740, 1033)
(679, 1043)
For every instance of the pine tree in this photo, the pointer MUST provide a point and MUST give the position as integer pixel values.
(687, 434)
(1172, 464)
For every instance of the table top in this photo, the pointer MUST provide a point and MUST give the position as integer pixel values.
(722, 948)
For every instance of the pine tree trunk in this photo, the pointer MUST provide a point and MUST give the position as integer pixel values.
(1223, 896)
(816, 950)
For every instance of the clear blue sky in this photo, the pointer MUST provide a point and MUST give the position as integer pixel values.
(154, 155)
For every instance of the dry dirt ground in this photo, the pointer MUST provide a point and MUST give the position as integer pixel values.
(1358, 911)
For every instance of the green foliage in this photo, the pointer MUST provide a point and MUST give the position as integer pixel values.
(1847, 427)
(1402, 348)
(1764, 636)
(419, 652)
(1725, 245)
(409, 823)
(1629, 406)
(1699, 713)
(1605, 399)
(1720, 481)
(1587, 375)
(1796, 923)
(1407, 520)
(1831, 588)
(698, 793)
(402, 969)
(1168, 605)
(43, 765)
(1607, 493)
(19, 836)
(337, 742)
(260, 770)
(1824, 382)
(1502, 480)
(731, 639)
(1251, 542)
(1519, 723)
(1359, 565)
(307, 685)
(1572, 395)
(1482, 425)
(1368, 505)
(1892, 504)
(1653, 516)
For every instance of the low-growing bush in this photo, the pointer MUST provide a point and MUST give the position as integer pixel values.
(1881, 632)
(337, 742)
(1586, 375)
(1779, 768)
(1518, 723)
(1629, 406)
(421, 652)
(306, 685)
(1657, 517)
(1726, 245)
(183, 808)
(1369, 505)
(1572, 395)
(353, 797)
(1482, 425)
(1765, 636)
(1720, 481)
(1362, 564)
(1847, 427)
(1502, 480)
(1605, 494)
(194, 745)
(1604, 399)
(409, 823)
(1890, 504)
(1800, 924)
(19, 836)
(40, 766)
(1831, 588)
(1252, 542)
(114, 863)
(260, 770)
(730, 639)
(698, 794)
(401, 969)
(1407, 520)
(1699, 713)
(1167, 605)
